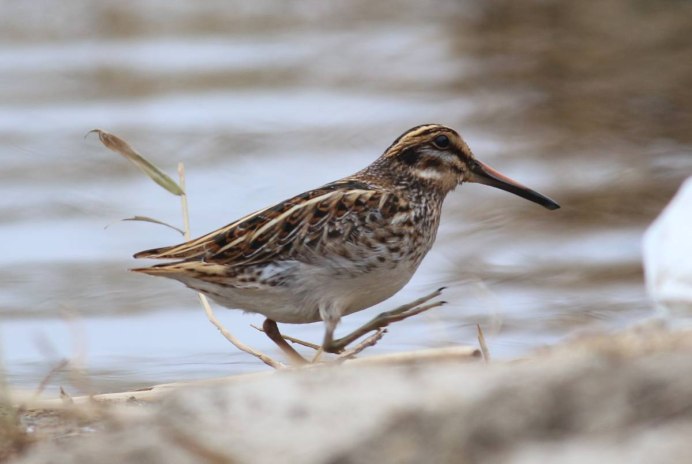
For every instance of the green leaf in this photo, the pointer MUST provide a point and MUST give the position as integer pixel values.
(154, 221)
(118, 145)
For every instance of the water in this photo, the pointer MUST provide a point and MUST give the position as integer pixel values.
(265, 101)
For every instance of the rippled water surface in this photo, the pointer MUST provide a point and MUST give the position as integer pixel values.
(265, 100)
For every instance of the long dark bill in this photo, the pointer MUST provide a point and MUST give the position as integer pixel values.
(484, 174)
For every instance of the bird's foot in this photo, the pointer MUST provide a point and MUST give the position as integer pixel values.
(339, 346)
(382, 320)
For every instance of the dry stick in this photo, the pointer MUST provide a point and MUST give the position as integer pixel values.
(481, 341)
(368, 342)
(46, 378)
(205, 304)
(66, 397)
(77, 373)
(183, 202)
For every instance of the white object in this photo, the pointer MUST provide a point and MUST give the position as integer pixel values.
(668, 256)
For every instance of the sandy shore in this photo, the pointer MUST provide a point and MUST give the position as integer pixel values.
(621, 397)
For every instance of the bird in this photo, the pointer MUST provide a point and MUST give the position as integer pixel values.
(339, 248)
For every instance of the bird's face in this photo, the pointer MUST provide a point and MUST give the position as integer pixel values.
(437, 155)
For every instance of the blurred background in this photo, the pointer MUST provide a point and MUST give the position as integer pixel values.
(587, 102)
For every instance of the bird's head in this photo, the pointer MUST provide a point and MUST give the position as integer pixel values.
(437, 155)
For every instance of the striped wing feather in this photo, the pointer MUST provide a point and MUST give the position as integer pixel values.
(320, 222)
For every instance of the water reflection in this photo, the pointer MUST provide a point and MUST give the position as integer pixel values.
(266, 100)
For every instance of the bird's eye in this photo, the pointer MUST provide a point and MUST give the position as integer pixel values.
(441, 141)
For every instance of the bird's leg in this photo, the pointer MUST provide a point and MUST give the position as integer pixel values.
(330, 324)
(380, 321)
(294, 340)
(272, 330)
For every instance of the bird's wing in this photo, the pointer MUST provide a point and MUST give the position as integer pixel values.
(316, 224)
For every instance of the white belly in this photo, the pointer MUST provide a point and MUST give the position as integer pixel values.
(311, 289)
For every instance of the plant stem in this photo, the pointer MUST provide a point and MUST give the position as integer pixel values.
(203, 299)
